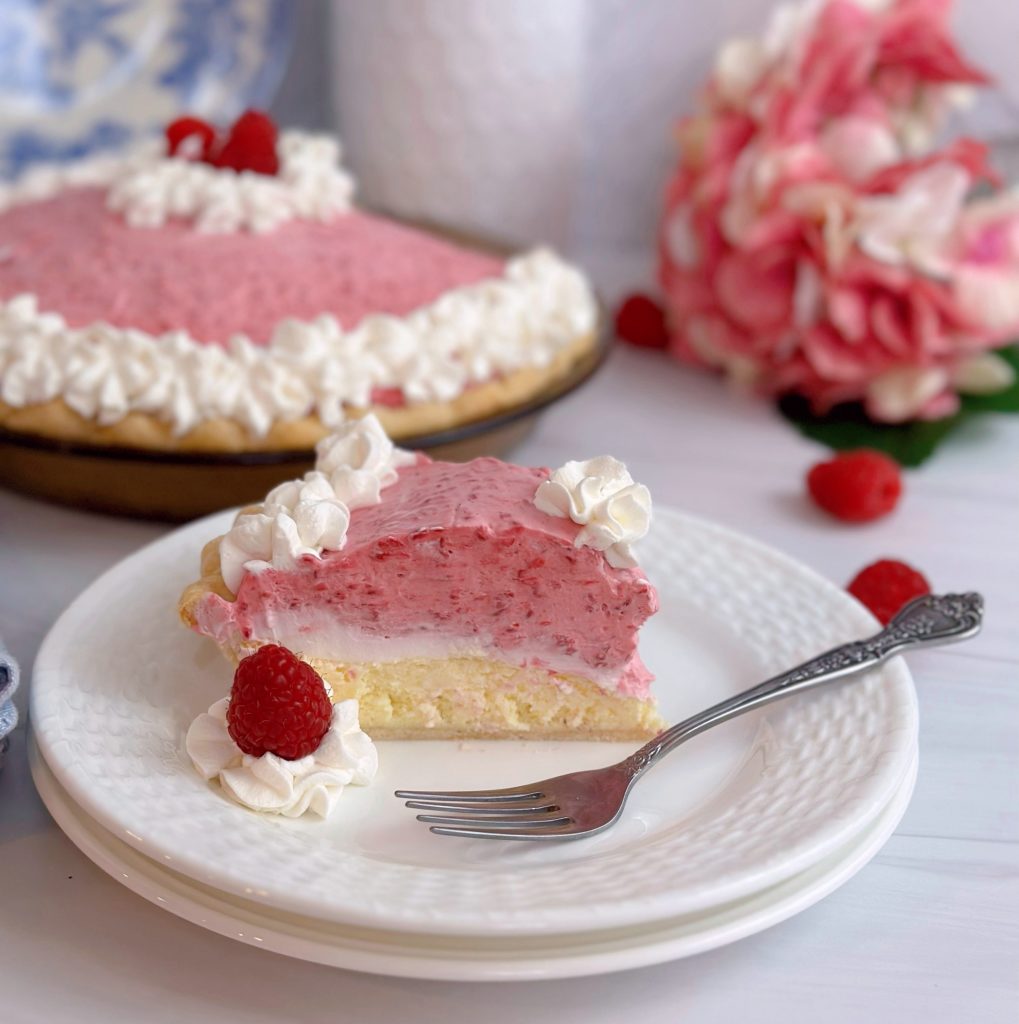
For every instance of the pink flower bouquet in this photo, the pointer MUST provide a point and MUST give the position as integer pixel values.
(809, 248)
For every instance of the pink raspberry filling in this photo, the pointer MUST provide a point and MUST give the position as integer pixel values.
(456, 557)
(87, 264)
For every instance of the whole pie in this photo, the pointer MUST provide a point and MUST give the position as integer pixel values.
(212, 292)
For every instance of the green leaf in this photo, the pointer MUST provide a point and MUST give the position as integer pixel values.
(847, 426)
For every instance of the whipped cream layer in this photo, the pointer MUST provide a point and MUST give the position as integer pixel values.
(456, 561)
(87, 264)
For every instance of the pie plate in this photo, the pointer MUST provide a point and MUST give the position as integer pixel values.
(732, 813)
(449, 958)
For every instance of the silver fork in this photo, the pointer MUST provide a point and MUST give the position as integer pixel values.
(583, 803)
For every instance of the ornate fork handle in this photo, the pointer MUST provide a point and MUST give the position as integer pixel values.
(925, 622)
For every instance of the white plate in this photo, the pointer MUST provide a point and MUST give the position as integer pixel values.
(118, 679)
(477, 959)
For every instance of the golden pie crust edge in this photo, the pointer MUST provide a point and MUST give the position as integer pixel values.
(56, 420)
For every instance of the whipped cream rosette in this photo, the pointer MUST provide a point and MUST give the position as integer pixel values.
(602, 497)
(274, 785)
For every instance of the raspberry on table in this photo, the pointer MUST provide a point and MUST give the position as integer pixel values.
(886, 586)
(856, 486)
(278, 705)
(641, 321)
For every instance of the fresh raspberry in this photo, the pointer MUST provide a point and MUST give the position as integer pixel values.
(641, 321)
(251, 145)
(277, 704)
(197, 137)
(856, 486)
(886, 586)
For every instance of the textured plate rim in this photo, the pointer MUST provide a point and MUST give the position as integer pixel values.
(393, 956)
(578, 918)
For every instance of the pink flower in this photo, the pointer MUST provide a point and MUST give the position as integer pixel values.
(969, 154)
(985, 284)
(804, 249)
(915, 38)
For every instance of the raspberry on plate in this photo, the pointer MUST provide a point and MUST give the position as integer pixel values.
(641, 322)
(278, 705)
(886, 586)
(856, 486)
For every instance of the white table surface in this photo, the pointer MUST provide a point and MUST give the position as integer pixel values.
(929, 931)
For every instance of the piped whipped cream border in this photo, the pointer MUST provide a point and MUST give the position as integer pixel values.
(148, 188)
(468, 336)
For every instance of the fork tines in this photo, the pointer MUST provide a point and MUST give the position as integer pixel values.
(521, 813)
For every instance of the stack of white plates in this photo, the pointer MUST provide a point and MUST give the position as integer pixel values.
(738, 830)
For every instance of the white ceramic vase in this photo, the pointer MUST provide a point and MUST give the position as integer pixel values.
(463, 112)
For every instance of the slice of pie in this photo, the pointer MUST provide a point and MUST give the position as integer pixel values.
(451, 600)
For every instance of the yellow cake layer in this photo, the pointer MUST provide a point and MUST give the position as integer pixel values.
(463, 698)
